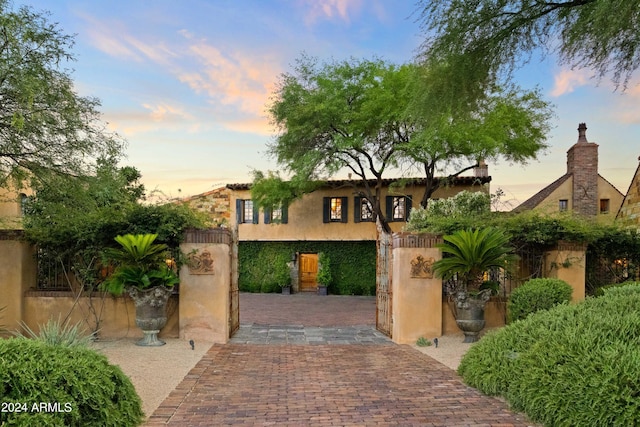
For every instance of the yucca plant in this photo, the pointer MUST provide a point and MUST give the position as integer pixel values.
(59, 333)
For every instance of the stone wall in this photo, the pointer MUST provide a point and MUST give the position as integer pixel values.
(582, 163)
(215, 203)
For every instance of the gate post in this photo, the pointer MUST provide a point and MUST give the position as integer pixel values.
(205, 278)
(567, 261)
(417, 293)
(17, 273)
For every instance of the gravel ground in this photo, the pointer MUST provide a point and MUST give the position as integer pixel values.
(156, 371)
(449, 351)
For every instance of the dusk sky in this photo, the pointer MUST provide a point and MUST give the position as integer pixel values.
(187, 82)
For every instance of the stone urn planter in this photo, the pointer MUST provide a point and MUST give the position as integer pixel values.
(151, 313)
(469, 313)
(142, 269)
(467, 256)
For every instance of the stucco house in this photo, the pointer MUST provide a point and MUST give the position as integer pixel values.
(581, 189)
(332, 219)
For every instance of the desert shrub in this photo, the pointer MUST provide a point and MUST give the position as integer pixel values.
(574, 364)
(57, 332)
(87, 390)
(536, 295)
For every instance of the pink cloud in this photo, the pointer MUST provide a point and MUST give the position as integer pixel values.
(331, 9)
(566, 81)
(233, 79)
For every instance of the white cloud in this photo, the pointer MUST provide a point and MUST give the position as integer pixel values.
(566, 81)
(331, 9)
(113, 39)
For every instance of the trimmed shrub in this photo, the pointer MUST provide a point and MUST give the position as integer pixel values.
(536, 295)
(53, 385)
(570, 365)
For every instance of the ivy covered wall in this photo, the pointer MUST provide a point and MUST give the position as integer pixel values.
(353, 264)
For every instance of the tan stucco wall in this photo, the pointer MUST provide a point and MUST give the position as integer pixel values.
(494, 316)
(204, 298)
(10, 209)
(17, 274)
(117, 314)
(605, 191)
(551, 203)
(417, 302)
(567, 263)
(305, 216)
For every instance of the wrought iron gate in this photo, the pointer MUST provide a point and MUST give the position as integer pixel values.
(384, 294)
(234, 294)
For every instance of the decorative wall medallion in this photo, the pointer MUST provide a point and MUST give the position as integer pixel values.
(200, 263)
(421, 267)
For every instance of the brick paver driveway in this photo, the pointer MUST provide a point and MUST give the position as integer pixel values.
(324, 384)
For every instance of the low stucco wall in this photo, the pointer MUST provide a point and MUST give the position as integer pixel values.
(568, 262)
(116, 315)
(495, 314)
(17, 273)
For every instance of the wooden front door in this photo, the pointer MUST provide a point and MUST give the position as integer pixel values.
(308, 272)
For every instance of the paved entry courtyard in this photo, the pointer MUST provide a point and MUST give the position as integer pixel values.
(342, 373)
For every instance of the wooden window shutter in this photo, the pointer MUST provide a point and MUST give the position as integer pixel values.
(256, 214)
(345, 209)
(408, 202)
(326, 209)
(267, 215)
(357, 208)
(239, 211)
(389, 208)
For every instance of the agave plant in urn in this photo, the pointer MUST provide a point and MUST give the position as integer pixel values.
(468, 255)
(141, 269)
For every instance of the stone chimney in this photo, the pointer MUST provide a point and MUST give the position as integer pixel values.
(482, 170)
(582, 163)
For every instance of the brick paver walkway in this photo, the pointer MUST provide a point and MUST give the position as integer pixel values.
(325, 384)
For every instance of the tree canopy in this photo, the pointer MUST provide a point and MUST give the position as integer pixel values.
(453, 132)
(369, 116)
(341, 115)
(486, 37)
(44, 124)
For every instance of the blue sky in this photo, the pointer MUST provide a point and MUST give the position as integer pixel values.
(186, 83)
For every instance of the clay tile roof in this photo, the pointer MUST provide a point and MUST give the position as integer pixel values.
(459, 180)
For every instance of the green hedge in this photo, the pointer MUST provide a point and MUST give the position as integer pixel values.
(536, 295)
(576, 364)
(79, 386)
(353, 264)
